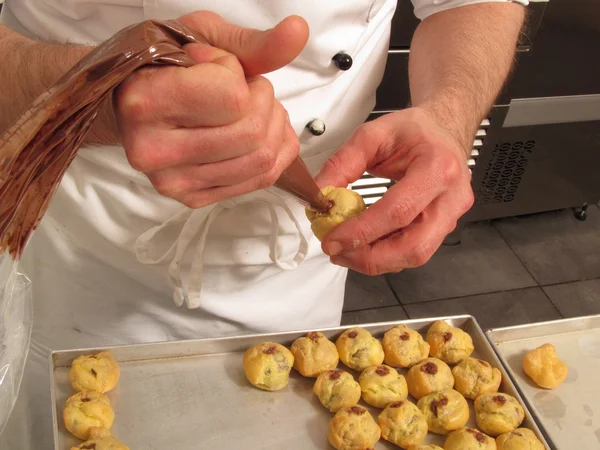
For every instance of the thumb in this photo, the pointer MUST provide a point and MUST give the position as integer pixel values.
(259, 51)
(345, 166)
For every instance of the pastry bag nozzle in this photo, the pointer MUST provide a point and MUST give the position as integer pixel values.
(298, 181)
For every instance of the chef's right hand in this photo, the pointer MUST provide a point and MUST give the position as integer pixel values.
(214, 130)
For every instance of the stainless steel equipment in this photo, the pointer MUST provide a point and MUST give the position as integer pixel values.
(194, 395)
(568, 415)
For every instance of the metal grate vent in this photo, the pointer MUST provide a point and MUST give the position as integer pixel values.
(504, 172)
(372, 188)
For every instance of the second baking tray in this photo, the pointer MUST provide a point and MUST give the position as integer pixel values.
(194, 395)
(569, 414)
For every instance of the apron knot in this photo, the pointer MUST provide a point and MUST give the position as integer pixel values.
(189, 223)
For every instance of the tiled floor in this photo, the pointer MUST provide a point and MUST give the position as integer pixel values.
(507, 272)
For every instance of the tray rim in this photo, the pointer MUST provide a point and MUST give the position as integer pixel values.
(465, 318)
(544, 324)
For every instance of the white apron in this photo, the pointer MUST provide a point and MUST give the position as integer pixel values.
(113, 262)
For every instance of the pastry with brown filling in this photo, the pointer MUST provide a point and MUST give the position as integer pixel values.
(403, 424)
(345, 204)
(101, 439)
(473, 377)
(268, 365)
(445, 411)
(382, 385)
(404, 347)
(519, 439)
(85, 411)
(358, 349)
(314, 354)
(424, 447)
(336, 389)
(430, 375)
(448, 343)
(498, 413)
(469, 439)
(99, 372)
(353, 428)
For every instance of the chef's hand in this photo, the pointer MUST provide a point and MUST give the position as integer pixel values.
(405, 227)
(215, 130)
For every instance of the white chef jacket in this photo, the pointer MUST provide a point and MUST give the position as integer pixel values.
(111, 254)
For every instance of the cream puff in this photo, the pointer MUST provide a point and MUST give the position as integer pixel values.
(99, 372)
(268, 365)
(445, 411)
(469, 439)
(519, 439)
(101, 439)
(314, 354)
(404, 347)
(358, 349)
(353, 428)
(544, 367)
(86, 411)
(345, 204)
(448, 343)
(473, 377)
(430, 375)
(498, 413)
(424, 447)
(403, 424)
(336, 389)
(382, 385)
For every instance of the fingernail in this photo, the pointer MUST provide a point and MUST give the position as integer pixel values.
(335, 248)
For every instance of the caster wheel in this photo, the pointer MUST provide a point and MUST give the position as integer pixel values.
(451, 242)
(581, 215)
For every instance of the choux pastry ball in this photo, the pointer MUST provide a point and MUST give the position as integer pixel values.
(353, 428)
(382, 385)
(336, 389)
(404, 347)
(314, 354)
(358, 349)
(345, 204)
(445, 411)
(544, 367)
(498, 413)
(448, 343)
(473, 377)
(469, 439)
(519, 439)
(403, 424)
(424, 447)
(99, 372)
(101, 439)
(428, 376)
(86, 411)
(268, 365)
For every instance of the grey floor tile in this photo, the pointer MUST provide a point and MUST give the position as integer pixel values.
(374, 315)
(363, 292)
(580, 298)
(481, 263)
(493, 310)
(555, 247)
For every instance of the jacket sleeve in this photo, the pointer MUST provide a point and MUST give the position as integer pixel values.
(425, 8)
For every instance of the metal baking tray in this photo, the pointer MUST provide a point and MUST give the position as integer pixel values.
(569, 416)
(194, 395)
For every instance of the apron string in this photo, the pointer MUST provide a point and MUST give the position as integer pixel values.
(198, 221)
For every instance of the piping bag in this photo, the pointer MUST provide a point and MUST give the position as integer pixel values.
(37, 150)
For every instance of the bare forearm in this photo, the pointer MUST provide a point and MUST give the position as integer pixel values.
(29, 68)
(459, 61)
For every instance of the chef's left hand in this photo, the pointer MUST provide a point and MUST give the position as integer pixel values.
(405, 227)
